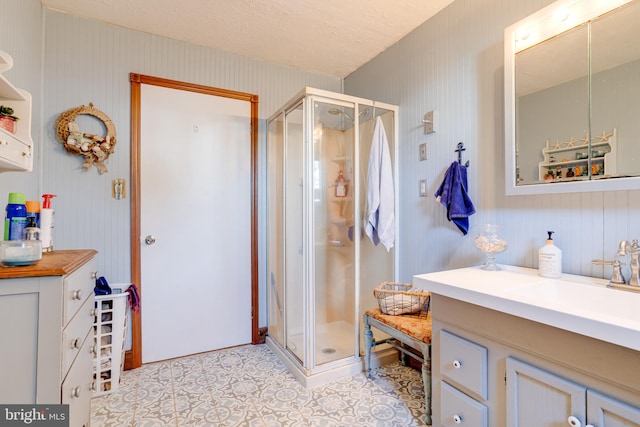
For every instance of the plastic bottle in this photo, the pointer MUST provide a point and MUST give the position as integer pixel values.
(33, 210)
(46, 223)
(341, 188)
(31, 231)
(16, 218)
(550, 259)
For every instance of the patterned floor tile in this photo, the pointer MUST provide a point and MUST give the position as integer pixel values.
(249, 386)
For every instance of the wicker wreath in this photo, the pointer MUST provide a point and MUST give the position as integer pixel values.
(95, 150)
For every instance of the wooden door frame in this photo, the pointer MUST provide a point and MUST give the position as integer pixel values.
(133, 357)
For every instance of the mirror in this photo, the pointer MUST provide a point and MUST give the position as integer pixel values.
(572, 98)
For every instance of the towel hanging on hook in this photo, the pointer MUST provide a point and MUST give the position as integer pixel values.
(453, 194)
(459, 150)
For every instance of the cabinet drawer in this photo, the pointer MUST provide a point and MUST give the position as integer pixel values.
(14, 154)
(74, 333)
(76, 388)
(458, 409)
(464, 363)
(77, 287)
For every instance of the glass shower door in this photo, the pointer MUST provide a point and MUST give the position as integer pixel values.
(275, 251)
(333, 217)
(294, 232)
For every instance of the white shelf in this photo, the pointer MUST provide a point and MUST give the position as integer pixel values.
(575, 147)
(16, 150)
(608, 161)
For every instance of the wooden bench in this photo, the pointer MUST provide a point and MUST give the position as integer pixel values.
(407, 330)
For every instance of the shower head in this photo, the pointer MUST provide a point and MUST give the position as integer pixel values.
(335, 112)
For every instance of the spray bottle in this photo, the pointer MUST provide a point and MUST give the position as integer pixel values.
(46, 223)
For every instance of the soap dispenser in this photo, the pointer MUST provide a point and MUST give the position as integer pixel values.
(550, 259)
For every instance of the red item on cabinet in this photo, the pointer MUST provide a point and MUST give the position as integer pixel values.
(8, 124)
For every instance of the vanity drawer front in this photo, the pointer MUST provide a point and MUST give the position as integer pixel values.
(14, 153)
(76, 387)
(73, 335)
(458, 409)
(464, 363)
(77, 287)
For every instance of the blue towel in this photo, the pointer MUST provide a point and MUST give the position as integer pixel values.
(453, 195)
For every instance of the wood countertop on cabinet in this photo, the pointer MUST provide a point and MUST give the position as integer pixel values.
(56, 263)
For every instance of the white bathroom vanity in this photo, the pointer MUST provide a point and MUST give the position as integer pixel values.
(511, 348)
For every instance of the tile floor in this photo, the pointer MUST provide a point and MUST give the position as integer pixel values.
(249, 386)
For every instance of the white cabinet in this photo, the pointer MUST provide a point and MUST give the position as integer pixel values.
(494, 369)
(463, 365)
(46, 330)
(565, 402)
(603, 411)
(529, 389)
(16, 148)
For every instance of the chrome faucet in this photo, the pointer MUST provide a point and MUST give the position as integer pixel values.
(633, 249)
(617, 278)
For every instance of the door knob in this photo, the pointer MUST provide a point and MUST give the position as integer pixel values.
(149, 240)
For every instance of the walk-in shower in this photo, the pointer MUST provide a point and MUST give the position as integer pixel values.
(321, 266)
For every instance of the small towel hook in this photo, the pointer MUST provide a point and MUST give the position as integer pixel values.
(459, 150)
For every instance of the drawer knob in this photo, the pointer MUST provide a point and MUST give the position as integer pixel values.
(457, 419)
(94, 275)
(75, 392)
(574, 422)
(93, 350)
(75, 343)
(77, 294)
(457, 364)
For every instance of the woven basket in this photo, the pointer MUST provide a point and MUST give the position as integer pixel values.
(397, 298)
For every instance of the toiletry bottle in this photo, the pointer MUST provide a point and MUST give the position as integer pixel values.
(550, 259)
(341, 188)
(46, 223)
(33, 210)
(31, 231)
(16, 217)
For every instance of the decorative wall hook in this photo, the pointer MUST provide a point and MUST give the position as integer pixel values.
(459, 150)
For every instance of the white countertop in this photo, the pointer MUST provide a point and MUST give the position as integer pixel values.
(579, 304)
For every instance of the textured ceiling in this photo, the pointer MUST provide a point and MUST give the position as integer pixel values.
(331, 37)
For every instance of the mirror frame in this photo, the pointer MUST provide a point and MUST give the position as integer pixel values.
(536, 28)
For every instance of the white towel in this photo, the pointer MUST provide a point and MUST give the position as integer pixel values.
(380, 225)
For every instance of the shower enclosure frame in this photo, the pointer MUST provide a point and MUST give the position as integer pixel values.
(307, 368)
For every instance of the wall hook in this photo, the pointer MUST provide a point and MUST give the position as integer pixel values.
(459, 150)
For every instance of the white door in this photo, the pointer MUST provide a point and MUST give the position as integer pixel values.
(195, 222)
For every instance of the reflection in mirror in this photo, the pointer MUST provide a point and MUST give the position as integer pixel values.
(615, 83)
(572, 91)
(552, 77)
